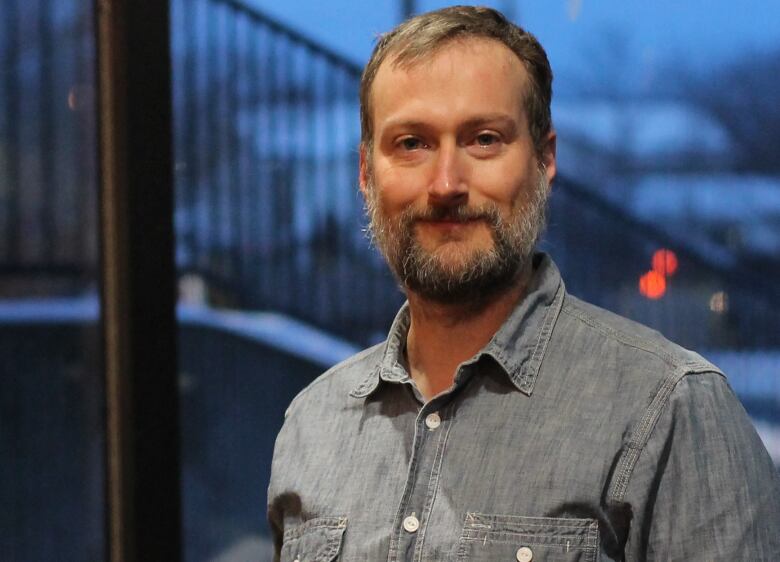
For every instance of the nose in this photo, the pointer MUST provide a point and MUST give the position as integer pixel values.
(448, 185)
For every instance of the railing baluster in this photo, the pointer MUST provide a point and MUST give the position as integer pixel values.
(187, 184)
(286, 173)
(47, 130)
(211, 228)
(269, 234)
(13, 96)
(243, 179)
(223, 146)
(232, 183)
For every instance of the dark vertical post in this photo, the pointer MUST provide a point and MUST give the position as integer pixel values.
(407, 9)
(138, 279)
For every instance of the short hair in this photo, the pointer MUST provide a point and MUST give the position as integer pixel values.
(425, 34)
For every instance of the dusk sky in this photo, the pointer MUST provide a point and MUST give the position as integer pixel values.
(642, 36)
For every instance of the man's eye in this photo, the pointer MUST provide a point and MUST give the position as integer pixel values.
(486, 139)
(411, 143)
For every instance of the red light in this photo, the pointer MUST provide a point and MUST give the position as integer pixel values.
(652, 285)
(665, 262)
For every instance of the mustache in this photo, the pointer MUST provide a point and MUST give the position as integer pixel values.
(457, 213)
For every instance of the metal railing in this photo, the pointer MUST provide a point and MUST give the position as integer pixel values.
(268, 206)
(47, 146)
(268, 213)
(270, 216)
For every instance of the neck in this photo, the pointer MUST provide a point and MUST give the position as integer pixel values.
(442, 336)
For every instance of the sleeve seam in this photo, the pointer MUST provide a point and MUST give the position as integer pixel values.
(639, 438)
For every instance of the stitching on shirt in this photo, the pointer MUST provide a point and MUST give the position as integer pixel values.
(639, 439)
(427, 508)
(391, 349)
(523, 372)
(556, 545)
(526, 520)
(335, 370)
(673, 361)
(543, 340)
(409, 485)
(333, 523)
(586, 538)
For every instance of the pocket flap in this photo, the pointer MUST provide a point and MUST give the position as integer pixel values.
(316, 540)
(551, 530)
(488, 538)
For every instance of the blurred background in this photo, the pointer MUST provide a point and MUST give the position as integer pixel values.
(667, 210)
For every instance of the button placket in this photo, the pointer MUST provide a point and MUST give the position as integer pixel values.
(421, 480)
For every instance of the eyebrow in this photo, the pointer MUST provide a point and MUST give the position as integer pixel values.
(472, 123)
(482, 120)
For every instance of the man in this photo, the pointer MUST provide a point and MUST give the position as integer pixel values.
(503, 419)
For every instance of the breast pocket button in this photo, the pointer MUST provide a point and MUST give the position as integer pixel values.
(525, 554)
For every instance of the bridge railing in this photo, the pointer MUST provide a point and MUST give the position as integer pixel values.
(268, 212)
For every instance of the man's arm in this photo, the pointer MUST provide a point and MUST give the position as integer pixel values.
(704, 487)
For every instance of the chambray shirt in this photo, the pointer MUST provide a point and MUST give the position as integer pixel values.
(574, 435)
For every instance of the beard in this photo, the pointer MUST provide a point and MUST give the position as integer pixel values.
(463, 276)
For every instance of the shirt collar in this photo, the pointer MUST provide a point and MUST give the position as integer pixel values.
(518, 346)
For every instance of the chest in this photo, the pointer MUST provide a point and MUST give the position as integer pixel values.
(502, 478)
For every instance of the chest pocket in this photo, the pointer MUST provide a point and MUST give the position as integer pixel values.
(498, 538)
(316, 540)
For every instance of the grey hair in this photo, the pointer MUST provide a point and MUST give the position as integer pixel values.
(423, 35)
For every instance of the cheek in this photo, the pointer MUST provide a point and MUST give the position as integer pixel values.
(398, 187)
(504, 185)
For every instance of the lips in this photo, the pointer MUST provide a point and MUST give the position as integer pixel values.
(458, 215)
(452, 218)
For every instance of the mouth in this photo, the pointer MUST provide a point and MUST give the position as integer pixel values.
(449, 228)
(451, 219)
(451, 224)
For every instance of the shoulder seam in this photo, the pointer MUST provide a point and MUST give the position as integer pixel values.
(571, 310)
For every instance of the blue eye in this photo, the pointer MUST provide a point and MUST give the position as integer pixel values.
(411, 143)
(486, 139)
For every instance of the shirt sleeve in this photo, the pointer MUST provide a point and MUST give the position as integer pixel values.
(704, 487)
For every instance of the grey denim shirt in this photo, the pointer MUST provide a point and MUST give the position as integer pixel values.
(574, 435)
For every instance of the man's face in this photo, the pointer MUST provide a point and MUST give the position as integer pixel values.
(454, 188)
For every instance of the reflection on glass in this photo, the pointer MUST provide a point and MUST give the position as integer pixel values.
(51, 398)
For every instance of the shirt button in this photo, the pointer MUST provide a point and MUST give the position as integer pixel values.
(411, 524)
(525, 554)
(433, 420)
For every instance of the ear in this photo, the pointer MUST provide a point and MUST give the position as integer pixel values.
(548, 156)
(363, 170)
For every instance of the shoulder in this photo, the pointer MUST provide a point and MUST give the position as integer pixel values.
(642, 376)
(333, 386)
(627, 343)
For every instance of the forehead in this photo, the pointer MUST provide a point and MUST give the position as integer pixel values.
(463, 75)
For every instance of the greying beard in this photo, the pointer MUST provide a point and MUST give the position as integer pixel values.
(484, 274)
